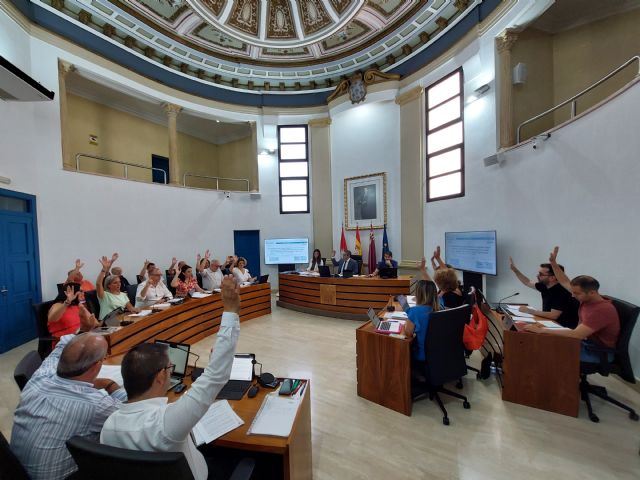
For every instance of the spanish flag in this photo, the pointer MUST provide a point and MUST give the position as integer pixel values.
(358, 244)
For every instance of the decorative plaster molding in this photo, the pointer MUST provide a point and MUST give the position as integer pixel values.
(320, 122)
(409, 95)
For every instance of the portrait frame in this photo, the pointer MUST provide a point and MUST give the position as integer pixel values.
(359, 211)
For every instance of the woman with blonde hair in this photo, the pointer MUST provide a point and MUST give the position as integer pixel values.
(450, 293)
(427, 301)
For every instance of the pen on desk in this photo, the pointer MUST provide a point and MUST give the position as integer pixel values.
(304, 385)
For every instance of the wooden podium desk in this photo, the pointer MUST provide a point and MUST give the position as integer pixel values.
(190, 321)
(542, 371)
(338, 297)
(384, 369)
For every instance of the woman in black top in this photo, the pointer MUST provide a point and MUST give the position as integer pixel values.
(450, 292)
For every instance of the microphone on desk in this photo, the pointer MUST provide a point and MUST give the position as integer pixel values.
(499, 308)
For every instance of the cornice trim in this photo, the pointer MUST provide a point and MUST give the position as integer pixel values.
(409, 95)
(320, 122)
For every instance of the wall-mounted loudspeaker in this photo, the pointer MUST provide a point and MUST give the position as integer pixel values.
(519, 76)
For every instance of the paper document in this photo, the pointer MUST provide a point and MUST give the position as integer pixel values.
(276, 416)
(219, 419)
(522, 319)
(161, 306)
(199, 295)
(242, 368)
(112, 372)
(396, 315)
(549, 324)
(143, 313)
(515, 310)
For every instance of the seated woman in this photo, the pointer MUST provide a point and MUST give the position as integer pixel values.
(450, 293)
(240, 271)
(185, 282)
(64, 316)
(418, 322)
(110, 296)
(316, 261)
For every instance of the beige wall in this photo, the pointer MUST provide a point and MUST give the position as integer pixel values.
(561, 65)
(127, 138)
(535, 49)
(321, 194)
(235, 160)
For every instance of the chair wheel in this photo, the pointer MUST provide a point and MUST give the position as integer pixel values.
(633, 416)
(594, 418)
(466, 405)
(445, 420)
(459, 385)
(478, 377)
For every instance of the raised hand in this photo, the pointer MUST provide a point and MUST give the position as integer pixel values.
(146, 263)
(422, 264)
(438, 252)
(79, 264)
(206, 254)
(554, 255)
(104, 261)
(198, 258)
(174, 260)
(70, 294)
(230, 291)
(114, 257)
(512, 265)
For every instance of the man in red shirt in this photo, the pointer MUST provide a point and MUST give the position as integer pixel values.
(598, 319)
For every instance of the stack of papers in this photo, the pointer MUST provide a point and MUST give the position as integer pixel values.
(396, 315)
(515, 310)
(219, 419)
(551, 324)
(161, 306)
(143, 313)
(276, 416)
(522, 319)
(199, 295)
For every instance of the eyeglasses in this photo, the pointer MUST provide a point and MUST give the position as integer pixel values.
(171, 367)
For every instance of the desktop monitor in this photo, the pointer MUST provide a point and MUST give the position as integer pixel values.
(286, 250)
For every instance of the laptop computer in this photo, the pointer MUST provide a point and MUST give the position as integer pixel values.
(347, 273)
(386, 326)
(178, 355)
(388, 272)
(402, 300)
(240, 379)
(262, 279)
(324, 271)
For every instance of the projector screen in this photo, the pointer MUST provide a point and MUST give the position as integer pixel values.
(471, 251)
(286, 250)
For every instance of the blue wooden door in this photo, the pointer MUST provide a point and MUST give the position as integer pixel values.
(19, 269)
(246, 243)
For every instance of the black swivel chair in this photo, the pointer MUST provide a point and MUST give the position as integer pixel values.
(139, 278)
(102, 462)
(620, 366)
(92, 302)
(131, 293)
(10, 468)
(444, 359)
(171, 289)
(358, 259)
(199, 279)
(26, 367)
(45, 339)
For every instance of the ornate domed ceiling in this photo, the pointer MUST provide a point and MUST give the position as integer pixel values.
(263, 46)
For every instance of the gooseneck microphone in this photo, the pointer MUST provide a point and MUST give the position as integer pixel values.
(500, 309)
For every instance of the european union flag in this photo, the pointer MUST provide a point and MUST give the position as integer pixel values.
(385, 242)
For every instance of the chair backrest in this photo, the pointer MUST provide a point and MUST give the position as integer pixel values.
(169, 280)
(139, 278)
(26, 367)
(358, 259)
(628, 314)
(11, 467)
(93, 304)
(199, 279)
(444, 349)
(131, 293)
(45, 344)
(102, 462)
(60, 288)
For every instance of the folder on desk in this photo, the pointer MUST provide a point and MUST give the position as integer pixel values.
(275, 417)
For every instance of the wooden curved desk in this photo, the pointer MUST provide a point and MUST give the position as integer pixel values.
(189, 322)
(338, 297)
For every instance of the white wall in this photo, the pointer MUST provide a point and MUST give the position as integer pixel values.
(86, 216)
(366, 139)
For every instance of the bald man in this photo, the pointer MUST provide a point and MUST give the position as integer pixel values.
(63, 398)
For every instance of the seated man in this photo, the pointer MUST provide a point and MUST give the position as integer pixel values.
(152, 291)
(387, 262)
(75, 276)
(598, 321)
(212, 276)
(63, 398)
(64, 317)
(124, 283)
(345, 263)
(147, 422)
(557, 302)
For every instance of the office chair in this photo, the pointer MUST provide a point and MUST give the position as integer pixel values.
(620, 366)
(444, 361)
(60, 287)
(171, 289)
(92, 302)
(45, 339)
(358, 259)
(199, 279)
(26, 367)
(131, 293)
(11, 466)
(102, 462)
(139, 278)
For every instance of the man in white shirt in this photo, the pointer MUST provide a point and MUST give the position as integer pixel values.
(152, 291)
(148, 422)
(212, 276)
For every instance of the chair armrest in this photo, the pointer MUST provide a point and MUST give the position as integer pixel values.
(603, 355)
(244, 469)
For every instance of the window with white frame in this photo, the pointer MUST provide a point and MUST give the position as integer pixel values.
(445, 137)
(293, 168)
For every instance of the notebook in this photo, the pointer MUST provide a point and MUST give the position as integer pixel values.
(178, 355)
(387, 326)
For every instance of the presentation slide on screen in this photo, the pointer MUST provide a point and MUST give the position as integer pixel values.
(286, 250)
(472, 251)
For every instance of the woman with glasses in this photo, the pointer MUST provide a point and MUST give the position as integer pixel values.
(110, 296)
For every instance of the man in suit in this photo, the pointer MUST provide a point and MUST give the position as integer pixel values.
(345, 263)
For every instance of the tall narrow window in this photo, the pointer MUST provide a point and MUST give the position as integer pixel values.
(293, 165)
(445, 138)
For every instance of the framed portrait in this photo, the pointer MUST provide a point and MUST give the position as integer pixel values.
(365, 201)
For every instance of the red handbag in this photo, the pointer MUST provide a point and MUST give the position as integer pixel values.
(476, 330)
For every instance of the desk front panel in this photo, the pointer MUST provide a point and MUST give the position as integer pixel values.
(338, 297)
(189, 322)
